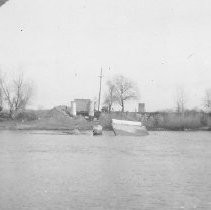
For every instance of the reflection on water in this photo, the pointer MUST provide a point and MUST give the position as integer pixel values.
(165, 170)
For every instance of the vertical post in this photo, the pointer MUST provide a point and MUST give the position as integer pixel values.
(91, 108)
(101, 76)
(73, 108)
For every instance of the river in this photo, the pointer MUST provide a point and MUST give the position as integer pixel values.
(162, 171)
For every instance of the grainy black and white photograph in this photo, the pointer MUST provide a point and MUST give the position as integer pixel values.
(105, 105)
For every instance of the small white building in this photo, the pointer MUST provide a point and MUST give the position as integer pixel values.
(83, 106)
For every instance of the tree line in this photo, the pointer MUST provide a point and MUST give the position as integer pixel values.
(121, 89)
(16, 94)
(181, 100)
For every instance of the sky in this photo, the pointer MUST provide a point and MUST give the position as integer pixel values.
(162, 45)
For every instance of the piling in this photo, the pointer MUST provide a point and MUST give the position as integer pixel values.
(91, 108)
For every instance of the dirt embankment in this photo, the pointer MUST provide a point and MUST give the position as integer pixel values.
(54, 119)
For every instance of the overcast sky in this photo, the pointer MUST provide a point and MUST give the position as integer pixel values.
(61, 45)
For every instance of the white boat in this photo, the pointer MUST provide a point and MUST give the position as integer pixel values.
(128, 128)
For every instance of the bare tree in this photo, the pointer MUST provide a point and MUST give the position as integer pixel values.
(125, 90)
(207, 100)
(110, 97)
(180, 100)
(16, 94)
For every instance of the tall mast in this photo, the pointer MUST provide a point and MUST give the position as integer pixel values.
(101, 76)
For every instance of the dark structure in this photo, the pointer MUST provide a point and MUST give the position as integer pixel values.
(82, 106)
(2, 2)
(141, 108)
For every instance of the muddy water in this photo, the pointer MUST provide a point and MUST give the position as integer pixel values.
(165, 170)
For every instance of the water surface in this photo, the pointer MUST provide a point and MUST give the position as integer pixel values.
(165, 170)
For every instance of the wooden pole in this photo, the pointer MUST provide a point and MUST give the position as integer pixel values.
(99, 98)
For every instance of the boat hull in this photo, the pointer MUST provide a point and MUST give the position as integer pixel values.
(128, 128)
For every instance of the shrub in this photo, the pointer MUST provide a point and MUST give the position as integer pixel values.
(180, 122)
(26, 116)
(4, 116)
(209, 122)
(168, 121)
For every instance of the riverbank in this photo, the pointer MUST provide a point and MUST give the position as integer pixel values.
(59, 121)
(159, 121)
(45, 120)
(47, 124)
(74, 126)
